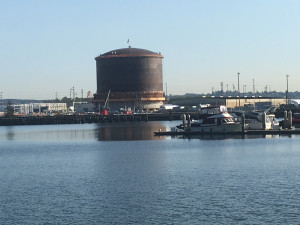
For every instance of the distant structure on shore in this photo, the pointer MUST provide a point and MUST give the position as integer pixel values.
(39, 108)
(129, 77)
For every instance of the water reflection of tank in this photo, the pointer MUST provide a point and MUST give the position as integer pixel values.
(130, 131)
(133, 76)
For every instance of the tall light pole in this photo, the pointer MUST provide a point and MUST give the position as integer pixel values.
(287, 88)
(239, 90)
(253, 93)
(238, 83)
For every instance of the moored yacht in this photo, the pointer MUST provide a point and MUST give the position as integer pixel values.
(222, 122)
(265, 122)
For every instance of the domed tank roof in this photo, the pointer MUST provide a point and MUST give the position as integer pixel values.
(129, 52)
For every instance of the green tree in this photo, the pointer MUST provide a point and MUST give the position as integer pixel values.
(9, 113)
(67, 100)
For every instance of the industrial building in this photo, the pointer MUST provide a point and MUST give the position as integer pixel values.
(83, 107)
(230, 102)
(39, 108)
(129, 77)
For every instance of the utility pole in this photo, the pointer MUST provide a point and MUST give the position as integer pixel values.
(221, 88)
(73, 93)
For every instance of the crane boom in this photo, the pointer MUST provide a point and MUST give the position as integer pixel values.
(106, 101)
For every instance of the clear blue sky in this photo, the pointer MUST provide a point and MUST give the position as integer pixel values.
(47, 47)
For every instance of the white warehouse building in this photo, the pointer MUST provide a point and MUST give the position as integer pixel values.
(40, 108)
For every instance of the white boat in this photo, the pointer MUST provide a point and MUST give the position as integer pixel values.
(259, 120)
(222, 122)
(264, 122)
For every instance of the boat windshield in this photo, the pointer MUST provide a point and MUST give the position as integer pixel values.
(227, 120)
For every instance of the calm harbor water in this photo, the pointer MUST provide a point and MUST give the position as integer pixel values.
(122, 174)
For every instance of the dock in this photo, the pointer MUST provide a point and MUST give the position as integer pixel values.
(247, 132)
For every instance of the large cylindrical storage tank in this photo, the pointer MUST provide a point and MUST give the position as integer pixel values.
(130, 77)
